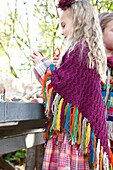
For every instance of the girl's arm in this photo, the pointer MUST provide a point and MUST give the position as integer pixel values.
(41, 68)
(41, 65)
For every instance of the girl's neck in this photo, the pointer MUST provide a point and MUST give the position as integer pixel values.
(109, 53)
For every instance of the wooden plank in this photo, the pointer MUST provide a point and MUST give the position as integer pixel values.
(34, 158)
(12, 144)
(30, 163)
(4, 165)
(39, 156)
(17, 111)
(22, 127)
(2, 112)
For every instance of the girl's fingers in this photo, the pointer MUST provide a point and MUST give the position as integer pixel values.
(35, 53)
(34, 61)
(55, 58)
(55, 62)
(34, 56)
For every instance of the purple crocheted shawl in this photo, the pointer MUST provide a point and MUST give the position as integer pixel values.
(80, 86)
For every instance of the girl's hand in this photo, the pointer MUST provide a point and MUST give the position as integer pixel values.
(55, 60)
(56, 56)
(36, 57)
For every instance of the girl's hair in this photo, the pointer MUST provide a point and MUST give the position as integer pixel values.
(86, 28)
(105, 18)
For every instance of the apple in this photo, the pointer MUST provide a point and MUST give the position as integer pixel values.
(36, 100)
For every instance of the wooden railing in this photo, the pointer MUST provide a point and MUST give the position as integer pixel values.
(21, 126)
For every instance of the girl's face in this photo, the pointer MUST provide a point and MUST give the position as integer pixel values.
(66, 22)
(108, 36)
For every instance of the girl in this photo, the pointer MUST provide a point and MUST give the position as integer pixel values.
(106, 23)
(76, 135)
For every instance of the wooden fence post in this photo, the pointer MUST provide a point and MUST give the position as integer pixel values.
(30, 159)
(39, 156)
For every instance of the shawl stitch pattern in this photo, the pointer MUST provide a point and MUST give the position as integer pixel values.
(81, 87)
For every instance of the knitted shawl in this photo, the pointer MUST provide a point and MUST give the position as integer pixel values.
(81, 87)
(78, 86)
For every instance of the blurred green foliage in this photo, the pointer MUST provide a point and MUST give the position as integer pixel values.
(33, 25)
(16, 158)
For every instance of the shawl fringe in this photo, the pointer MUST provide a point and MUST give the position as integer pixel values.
(64, 117)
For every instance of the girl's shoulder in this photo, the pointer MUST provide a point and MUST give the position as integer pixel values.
(81, 51)
(77, 54)
(81, 48)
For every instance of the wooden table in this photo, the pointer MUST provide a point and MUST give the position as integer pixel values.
(20, 127)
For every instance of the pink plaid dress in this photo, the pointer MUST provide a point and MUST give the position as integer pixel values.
(61, 155)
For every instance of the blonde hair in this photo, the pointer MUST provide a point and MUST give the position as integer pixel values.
(86, 28)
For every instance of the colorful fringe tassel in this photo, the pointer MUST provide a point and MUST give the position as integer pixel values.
(67, 118)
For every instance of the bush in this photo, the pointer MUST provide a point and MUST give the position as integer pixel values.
(16, 158)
